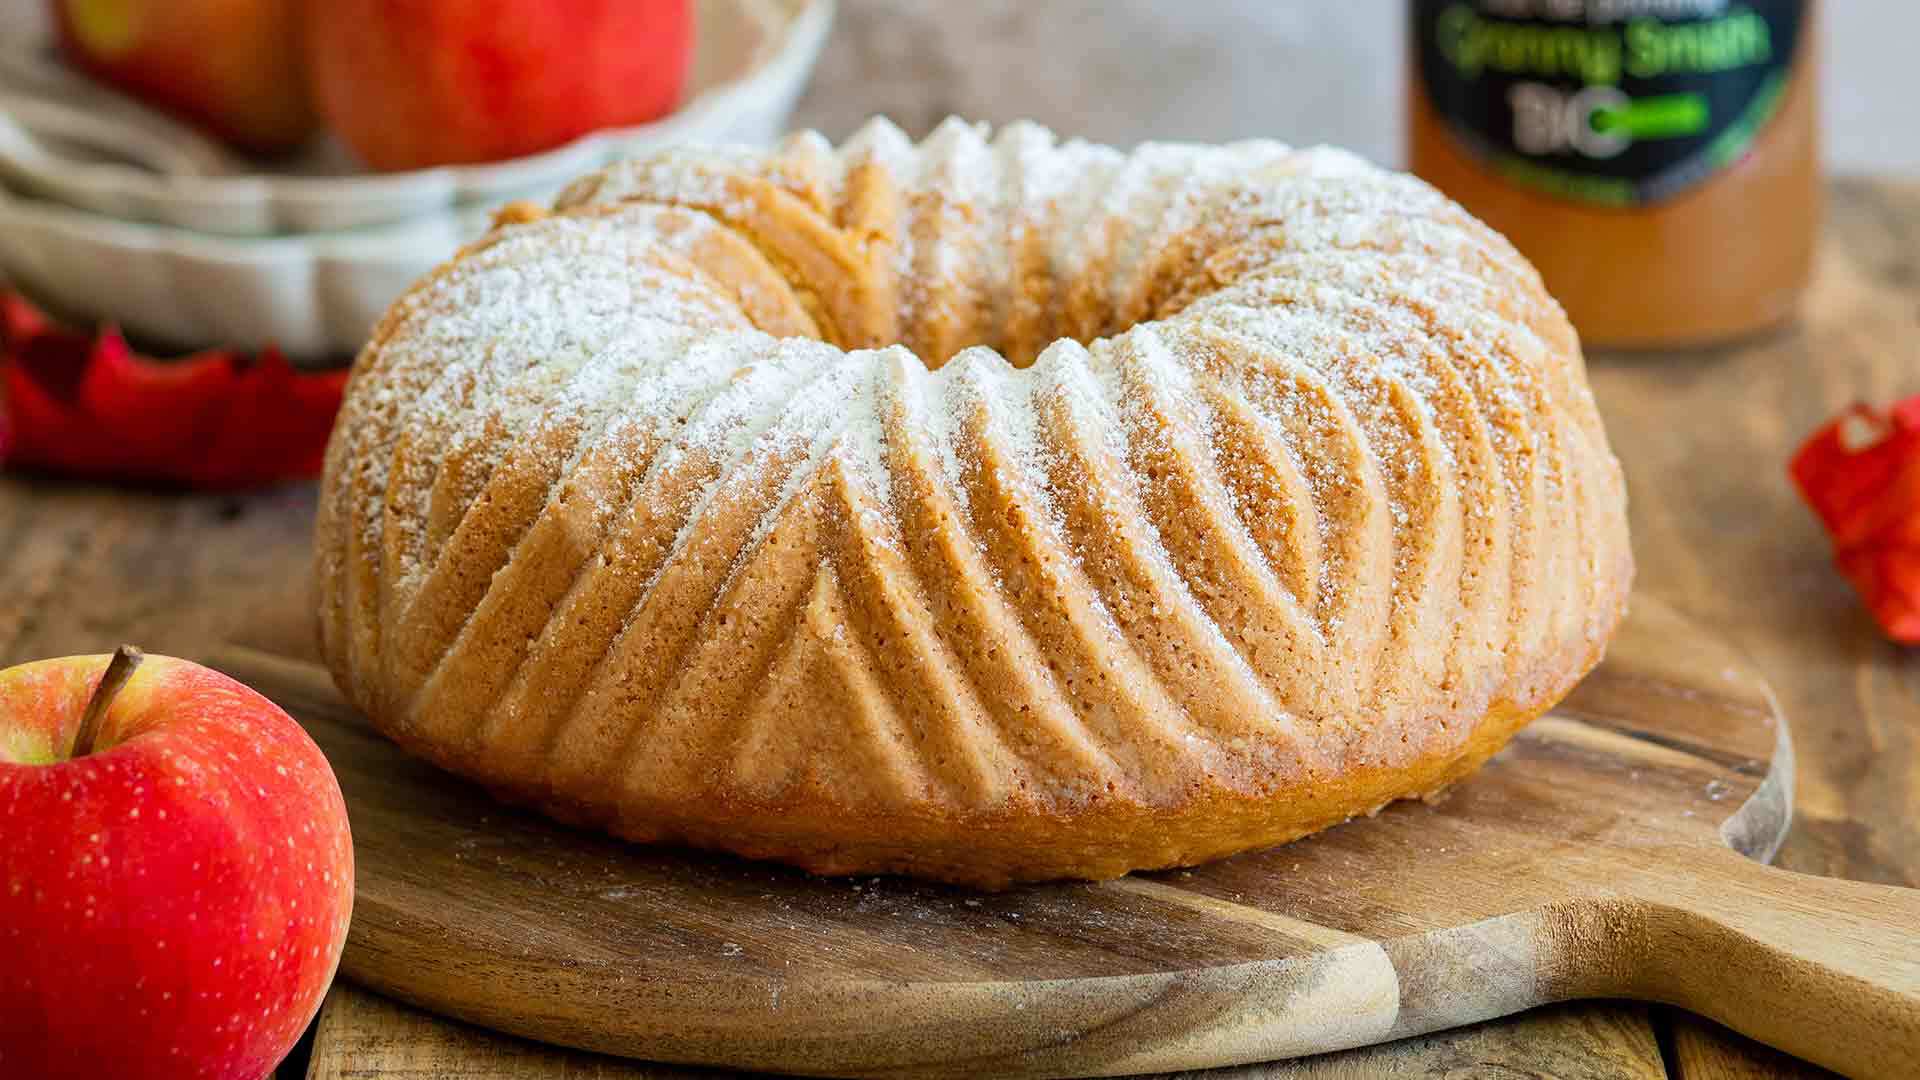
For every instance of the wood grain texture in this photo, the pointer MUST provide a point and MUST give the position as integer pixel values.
(1719, 532)
(1605, 853)
(1703, 437)
(1706, 1051)
(1561, 1042)
(363, 1036)
(84, 568)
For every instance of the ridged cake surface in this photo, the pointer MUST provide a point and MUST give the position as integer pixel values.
(987, 509)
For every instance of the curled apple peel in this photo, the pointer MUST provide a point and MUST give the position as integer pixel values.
(1861, 475)
(82, 404)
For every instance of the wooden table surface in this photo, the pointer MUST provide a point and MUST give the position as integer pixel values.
(1717, 529)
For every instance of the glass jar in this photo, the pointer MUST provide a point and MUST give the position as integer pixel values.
(1658, 160)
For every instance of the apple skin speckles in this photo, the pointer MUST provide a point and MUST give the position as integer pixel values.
(146, 888)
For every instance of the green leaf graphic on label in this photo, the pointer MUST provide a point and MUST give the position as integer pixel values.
(1666, 117)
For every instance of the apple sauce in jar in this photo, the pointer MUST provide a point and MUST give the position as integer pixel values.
(1657, 160)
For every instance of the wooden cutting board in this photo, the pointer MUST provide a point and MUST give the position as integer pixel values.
(1613, 850)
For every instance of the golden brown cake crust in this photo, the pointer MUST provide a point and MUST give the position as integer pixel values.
(706, 507)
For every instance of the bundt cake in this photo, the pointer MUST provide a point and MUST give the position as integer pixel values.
(988, 509)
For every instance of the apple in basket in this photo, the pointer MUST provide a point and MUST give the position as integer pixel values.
(438, 82)
(176, 873)
(232, 66)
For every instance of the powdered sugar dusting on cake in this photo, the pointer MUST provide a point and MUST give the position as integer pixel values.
(1015, 149)
(575, 282)
(950, 192)
(789, 403)
(980, 379)
(1354, 323)
(834, 416)
(692, 176)
(1080, 174)
(881, 142)
(1136, 204)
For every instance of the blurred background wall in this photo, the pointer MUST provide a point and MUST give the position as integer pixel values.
(1301, 70)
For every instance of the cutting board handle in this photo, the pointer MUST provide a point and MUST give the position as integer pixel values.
(1828, 970)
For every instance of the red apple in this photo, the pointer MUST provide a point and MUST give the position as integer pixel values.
(413, 83)
(175, 872)
(231, 66)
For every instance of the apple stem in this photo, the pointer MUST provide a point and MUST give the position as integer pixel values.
(125, 660)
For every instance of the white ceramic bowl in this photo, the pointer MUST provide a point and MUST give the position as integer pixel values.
(317, 294)
(65, 139)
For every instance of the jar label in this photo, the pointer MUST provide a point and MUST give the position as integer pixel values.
(1609, 102)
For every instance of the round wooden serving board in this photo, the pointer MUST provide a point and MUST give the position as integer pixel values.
(1609, 851)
